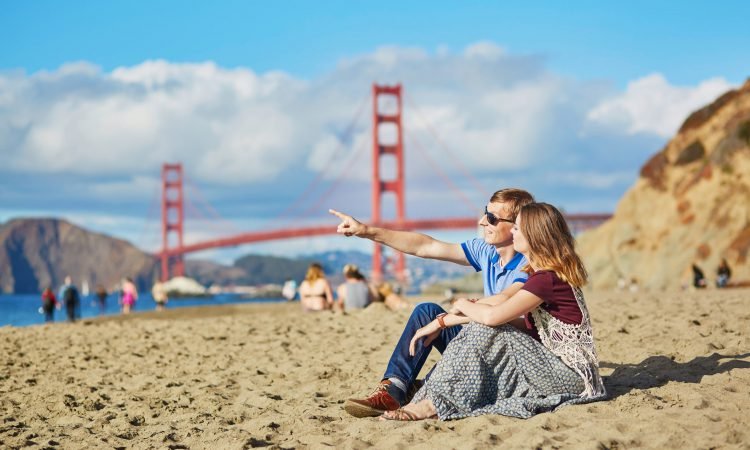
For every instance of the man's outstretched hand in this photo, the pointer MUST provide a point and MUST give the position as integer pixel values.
(349, 226)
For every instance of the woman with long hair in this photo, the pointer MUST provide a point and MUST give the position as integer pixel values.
(391, 299)
(315, 291)
(511, 366)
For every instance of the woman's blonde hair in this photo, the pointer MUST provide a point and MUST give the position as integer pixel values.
(385, 290)
(314, 272)
(551, 244)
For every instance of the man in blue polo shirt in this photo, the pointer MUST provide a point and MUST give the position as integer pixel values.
(493, 255)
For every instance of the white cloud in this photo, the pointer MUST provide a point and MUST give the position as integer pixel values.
(501, 116)
(652, 105)
(230, 126)
(135, 187)
(593, 180)
(236, 127)
(485, 50)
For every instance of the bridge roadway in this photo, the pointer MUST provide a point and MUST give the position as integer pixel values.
(288, 233)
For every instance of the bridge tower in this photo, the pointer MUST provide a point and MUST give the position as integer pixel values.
(384, 147)
(172, 220)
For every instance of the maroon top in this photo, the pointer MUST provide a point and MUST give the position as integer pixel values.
(557, 299)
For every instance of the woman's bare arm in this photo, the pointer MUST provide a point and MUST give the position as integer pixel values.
(519, 304)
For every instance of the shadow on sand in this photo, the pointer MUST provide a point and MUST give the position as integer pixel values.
(656, 371)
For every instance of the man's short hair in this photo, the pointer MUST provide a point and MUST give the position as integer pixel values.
(514, 200)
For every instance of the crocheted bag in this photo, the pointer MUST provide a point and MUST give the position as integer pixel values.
(573, 344)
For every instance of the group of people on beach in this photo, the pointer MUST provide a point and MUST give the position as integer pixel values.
(355, 292)
(69, 297)
(524, 348)
(723, 275)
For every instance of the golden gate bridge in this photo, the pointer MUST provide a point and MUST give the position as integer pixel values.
(174, 248)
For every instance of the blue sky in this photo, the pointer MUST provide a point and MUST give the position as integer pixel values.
(567, 99)
(687, 41)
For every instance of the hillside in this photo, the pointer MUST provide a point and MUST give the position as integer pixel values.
(691, 204)
(36, 253)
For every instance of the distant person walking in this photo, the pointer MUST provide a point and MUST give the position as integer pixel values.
(101, 298)
(160, 295)
(129, 295)
(354, 293)
(315, 291)
(49, 303)
(723, 274)
(70, 298)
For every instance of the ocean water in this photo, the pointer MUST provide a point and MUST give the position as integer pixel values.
(23, 309)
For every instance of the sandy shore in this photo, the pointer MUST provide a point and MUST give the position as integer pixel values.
(677, 368)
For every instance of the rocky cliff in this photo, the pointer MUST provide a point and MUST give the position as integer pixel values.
(36, 253)
(691, 204)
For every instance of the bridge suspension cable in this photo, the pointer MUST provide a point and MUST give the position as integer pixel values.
(354, 157)
(455, 189)
(457, 161)
(214, 220)
(337, 153)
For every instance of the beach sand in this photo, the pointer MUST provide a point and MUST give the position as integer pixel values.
(676, 365)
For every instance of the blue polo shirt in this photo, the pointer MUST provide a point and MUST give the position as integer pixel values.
(496, 276)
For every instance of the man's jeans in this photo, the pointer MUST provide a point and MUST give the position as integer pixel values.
(402, 365)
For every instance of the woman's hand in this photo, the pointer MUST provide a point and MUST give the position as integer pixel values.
(460, 304)
(455, 308)
(429, 332)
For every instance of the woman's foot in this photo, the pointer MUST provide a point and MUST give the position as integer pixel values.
(413, 411)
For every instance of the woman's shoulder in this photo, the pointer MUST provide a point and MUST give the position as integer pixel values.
(543, 275)
(543, 282)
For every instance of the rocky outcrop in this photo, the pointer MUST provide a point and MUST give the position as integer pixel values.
(36, 253)
(691, 204)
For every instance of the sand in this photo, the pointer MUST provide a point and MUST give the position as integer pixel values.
(677, 368)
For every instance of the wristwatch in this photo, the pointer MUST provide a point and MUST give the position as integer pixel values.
(441, 321)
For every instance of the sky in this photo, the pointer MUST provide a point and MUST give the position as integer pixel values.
(268, 106)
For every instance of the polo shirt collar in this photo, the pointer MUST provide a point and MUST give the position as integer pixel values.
(512, 264)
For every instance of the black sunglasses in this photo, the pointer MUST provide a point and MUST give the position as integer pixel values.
(494, 220)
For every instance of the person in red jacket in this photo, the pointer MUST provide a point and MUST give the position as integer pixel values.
(49, 303)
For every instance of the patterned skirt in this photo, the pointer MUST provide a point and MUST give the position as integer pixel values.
(499, 370)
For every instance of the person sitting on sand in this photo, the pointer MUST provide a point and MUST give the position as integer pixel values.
(315, 291)
(354, 292)
(391, 299)
(723, 274)
(699, 279)
(493, 255)
(514, 367)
